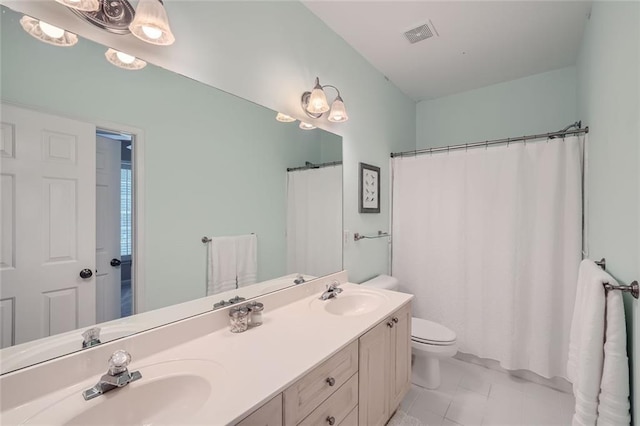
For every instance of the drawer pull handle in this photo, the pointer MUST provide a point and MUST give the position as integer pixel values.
(331, 420)
(331, 381)
(395, 319)
(390, 324)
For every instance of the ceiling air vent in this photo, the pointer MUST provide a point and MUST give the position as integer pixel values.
(417, 34)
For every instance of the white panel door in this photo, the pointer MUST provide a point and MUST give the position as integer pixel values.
(108, 155)
(48, 224)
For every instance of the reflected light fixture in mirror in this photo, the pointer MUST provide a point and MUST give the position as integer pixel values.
(84, 5)
(48, 33)
(315, 104)
(151, 23)
(124, 60)
(306, 126)
(284, 118)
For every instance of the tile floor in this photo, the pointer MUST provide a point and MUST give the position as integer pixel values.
(474, 395)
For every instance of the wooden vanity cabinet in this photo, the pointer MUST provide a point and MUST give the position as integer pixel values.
(363, 384)
(269, 414)
(384, 368)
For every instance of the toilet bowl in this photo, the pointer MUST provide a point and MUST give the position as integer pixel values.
(430, 341)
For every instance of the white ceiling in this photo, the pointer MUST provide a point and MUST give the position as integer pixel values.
(480, 43)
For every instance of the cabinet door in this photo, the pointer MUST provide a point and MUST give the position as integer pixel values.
(400, 356)
(374, 374)
(270, 414)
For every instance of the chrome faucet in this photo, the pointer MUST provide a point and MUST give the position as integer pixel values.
(116, 377)
(332, 291)
(91, 337)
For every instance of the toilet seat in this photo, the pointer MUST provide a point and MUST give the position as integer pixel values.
(431, 333)
(431, 342)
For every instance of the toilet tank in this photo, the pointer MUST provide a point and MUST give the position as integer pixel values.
(383, 281)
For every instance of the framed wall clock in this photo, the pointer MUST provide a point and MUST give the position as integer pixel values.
(369, 193)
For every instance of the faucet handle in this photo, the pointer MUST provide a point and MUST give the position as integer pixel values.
(119, 362)
(91, 337)
(333, 285)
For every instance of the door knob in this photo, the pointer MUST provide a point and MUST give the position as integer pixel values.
(331, 420)
(86, 273)
(116, 262)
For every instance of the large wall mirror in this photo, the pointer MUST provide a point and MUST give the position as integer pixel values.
(110, 180)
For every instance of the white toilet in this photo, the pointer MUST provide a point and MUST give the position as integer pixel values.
(430, 341)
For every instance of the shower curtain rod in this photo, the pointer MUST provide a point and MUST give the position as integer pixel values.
(551, 135)
(309, 165)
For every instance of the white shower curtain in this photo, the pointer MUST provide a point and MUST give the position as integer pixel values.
(489, 241)
(314, 221)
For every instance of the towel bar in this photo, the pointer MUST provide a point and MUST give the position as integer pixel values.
(206, 239)
(381, 234)
(633, 288)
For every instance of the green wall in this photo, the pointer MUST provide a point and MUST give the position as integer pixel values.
(536, 104)
(609, 99)
(215, 164)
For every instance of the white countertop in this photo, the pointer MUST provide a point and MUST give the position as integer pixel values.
(251, 367)
(39, 350)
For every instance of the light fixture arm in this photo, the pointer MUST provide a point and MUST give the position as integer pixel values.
(333, 87)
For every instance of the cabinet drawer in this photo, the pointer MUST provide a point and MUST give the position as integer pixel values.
(270, 414)
(337, 407)
(351, 419)
(307, 393)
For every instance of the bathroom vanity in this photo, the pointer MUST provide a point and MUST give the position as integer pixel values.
(341, 361)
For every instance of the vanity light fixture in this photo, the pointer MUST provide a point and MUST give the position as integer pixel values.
(151, 23)
(48, 33)
(306, 126)
(315, 104)
(284, 118)
(124, 60)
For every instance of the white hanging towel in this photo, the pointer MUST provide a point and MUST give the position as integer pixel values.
(222, 265)
(247, 259)
(597, 364)
(614, 388)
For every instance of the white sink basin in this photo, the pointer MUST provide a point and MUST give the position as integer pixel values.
(169, 393)
(350, 303)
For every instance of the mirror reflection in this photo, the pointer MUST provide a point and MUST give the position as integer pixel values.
(131, 199)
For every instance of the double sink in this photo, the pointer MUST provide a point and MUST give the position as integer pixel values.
(176, 391)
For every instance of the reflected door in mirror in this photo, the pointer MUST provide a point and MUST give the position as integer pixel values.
(48, 187)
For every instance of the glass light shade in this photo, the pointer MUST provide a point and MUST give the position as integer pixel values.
(284, 118)
(51, 30)
(317, 101)
(85, 5)
(151, 23)
(123, 60)
(338, 112)
(48, 33)
(306, 126)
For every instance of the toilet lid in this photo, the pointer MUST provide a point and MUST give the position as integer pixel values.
(430, 332)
